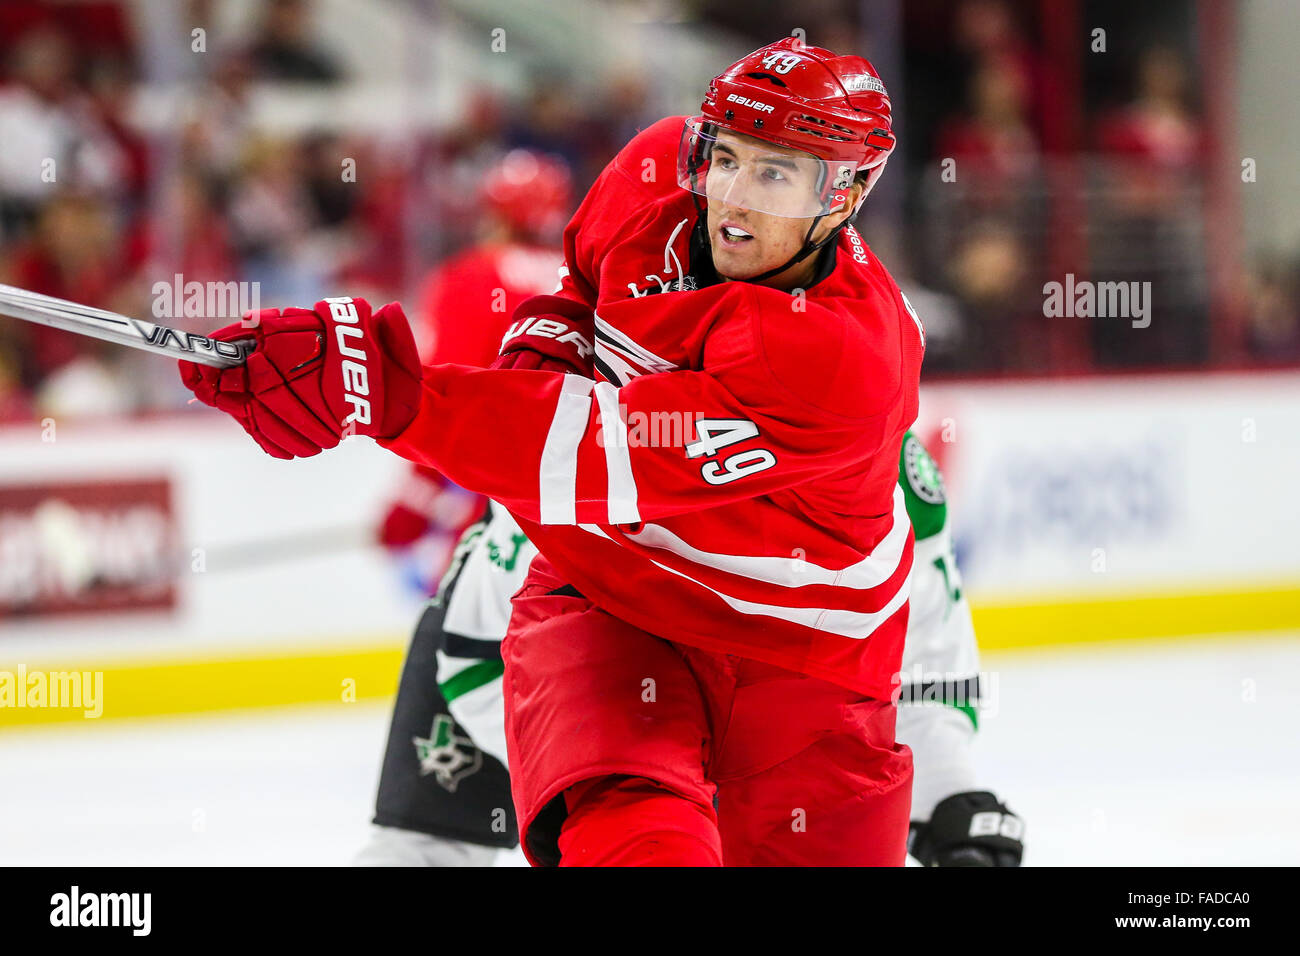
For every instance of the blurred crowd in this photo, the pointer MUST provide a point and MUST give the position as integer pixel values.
(1026, 198)
(96, 208)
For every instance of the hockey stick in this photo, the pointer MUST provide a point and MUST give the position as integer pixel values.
(294, 546)
(124, 330)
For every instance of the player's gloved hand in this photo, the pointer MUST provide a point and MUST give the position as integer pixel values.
(415, 508)
(316, 376)
(552, 333)
(402, 526)
(968, 829)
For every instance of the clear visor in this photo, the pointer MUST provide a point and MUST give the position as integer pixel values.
(741, 171)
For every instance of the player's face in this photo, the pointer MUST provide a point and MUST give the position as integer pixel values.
(746, 175)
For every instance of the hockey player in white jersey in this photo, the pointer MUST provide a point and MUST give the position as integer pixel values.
(444, 794)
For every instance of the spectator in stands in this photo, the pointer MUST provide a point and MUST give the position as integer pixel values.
(216, 125)
(378, 255)
(1001, 329)
(72, 254)
(285, 48)
(993, 139)
(333, 198)
(451, 172)
(37, 130)
(988, 33)
(1273, 333)
(551, 122)
(14, 403)
(1156, 134)
(272, 218)
(189, 233)
(119, 148)
(622, 111)
(1151, 215)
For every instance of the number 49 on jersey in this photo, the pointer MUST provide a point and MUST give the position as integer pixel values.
(714, 434)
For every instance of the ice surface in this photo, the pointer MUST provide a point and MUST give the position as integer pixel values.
(1172, 753)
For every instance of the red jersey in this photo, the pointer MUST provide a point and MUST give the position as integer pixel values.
(729, 480)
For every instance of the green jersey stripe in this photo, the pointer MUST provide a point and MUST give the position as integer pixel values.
(471, 678)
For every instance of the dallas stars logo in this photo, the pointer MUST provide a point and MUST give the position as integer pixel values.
(923, 474)
(449, 756)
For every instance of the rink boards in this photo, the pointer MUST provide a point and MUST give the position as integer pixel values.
(1126, 509)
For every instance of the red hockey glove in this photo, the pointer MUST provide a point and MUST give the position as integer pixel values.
(412, 510)
(402, 527)
(552, 333)
(317, 376)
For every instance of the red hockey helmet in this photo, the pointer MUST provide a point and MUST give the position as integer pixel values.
(531, 191)
(833, 108)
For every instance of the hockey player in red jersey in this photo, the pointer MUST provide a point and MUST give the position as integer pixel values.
(700, 664)
(465, 307)
(444, 776)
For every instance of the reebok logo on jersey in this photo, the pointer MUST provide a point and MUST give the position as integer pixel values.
(859, 251)
(356, 377)
(551, 329)
(752, 104)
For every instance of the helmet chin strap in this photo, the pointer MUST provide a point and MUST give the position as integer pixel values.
(809, 248)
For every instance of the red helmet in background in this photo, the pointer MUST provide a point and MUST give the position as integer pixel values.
(801, 97)
(531, 191)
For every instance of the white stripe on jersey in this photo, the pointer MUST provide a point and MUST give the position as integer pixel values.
(872, 571)
(621, 490)
(558, 475)
(857, 625)
(614, 348)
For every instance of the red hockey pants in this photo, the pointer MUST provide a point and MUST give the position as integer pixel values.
(629, 749)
